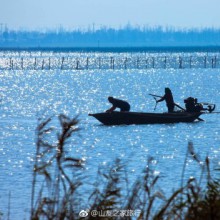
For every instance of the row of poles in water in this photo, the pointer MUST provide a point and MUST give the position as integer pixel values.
(112, 62)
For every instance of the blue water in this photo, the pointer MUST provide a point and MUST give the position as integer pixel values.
(26, 95)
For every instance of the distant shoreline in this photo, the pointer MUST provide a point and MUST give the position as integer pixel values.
(118, 49)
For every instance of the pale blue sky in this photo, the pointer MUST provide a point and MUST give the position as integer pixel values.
(115, 13)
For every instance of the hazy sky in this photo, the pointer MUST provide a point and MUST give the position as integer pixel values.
(114, 13)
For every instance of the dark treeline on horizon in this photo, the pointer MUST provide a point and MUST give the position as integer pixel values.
(108, 37)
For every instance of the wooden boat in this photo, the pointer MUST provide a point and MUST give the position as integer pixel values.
(127, 118)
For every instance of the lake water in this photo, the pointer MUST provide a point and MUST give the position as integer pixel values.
(27, 94)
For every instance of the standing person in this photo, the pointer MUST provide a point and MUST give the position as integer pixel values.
(168, 97)
(117, 103)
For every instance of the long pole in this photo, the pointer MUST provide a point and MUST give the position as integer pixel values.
(155, 104)
(211, 112)
(174, 102)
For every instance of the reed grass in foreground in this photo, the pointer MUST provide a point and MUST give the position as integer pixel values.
(58, 179)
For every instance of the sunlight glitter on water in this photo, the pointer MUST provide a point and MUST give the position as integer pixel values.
(26, 95)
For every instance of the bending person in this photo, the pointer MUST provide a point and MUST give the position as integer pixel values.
(168, 97)
(117, 103)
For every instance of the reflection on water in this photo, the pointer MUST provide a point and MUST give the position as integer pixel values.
(27, 95)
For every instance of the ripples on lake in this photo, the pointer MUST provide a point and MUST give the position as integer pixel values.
(26, 95)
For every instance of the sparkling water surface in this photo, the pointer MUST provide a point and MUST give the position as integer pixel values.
(28, 94)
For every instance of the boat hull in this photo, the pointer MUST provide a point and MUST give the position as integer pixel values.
(128, 118)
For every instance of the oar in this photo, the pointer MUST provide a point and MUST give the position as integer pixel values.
(179, 107)
(154, 96)
(210, 112)
(200, 119)
(155, 104)
(158, 96)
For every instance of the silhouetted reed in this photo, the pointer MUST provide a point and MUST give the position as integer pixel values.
(52, 166)
(58, 176)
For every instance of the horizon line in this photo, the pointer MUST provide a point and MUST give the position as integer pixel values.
(205, 48)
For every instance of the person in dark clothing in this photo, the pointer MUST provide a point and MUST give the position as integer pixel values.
(117, 103)
(168, 97)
